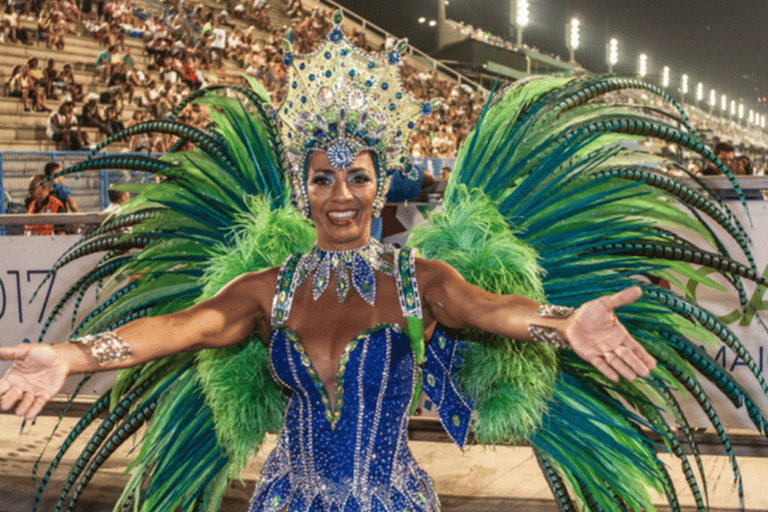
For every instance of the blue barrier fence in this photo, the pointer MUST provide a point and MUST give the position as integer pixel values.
(89, 189)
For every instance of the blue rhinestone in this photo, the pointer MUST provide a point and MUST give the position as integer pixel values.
(303, 99)
(384, 86)
(399, 133)
(294, 85)
(290, 104)
(288, 59)
(394, 57)
(327, 55)
(392, 106)
(286, 111)
(344, 51)
(402, 159)
(302, 65)
(399, 95)
(328, 73)
(311, 77)
(411, 125)
(371, 65)
(426, 108)
(335, 35)
(352, 73)
(368, 83)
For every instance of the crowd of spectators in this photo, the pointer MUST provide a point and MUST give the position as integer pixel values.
(189, 45)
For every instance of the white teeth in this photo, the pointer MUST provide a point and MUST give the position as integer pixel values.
(342, 215)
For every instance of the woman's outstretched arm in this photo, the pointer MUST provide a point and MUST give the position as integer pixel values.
(39, 370)
(592, 330)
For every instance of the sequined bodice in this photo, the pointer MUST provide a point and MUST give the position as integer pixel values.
(352, 454)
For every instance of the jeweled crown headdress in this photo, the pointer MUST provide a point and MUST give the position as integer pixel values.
(342, 100)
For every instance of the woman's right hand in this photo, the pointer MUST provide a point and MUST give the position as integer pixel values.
(37, 374)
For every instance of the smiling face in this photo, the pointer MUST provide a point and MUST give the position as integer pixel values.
(341, 201)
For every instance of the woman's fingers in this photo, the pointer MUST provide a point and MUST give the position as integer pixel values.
(623, 298)
(9, 397)
(24, 404)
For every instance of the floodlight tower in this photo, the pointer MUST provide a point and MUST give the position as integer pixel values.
(642, 65)
(522, 11)
(699, 93)
(712, 100)
(683, 87)
(572, 37)
(612, 53)
(665, 77)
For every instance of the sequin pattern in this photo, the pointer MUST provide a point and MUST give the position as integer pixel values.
(352, 454)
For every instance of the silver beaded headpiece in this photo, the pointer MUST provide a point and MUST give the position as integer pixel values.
(342, 101)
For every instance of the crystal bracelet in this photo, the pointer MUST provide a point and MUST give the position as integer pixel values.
(106, 347)
(548, 336)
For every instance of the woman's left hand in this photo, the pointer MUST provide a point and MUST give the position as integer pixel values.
(597, 336)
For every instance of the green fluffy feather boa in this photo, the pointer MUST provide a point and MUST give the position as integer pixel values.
(509, 381)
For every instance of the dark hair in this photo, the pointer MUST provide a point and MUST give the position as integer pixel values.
(50, 167)
(723, 147)
(115, 195)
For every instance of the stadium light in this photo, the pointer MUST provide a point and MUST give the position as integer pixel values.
(422, 19)
(712, 98)
(762, 121)
(684, 85)
(665, 77)
(642, 65)
(751, 119)
(432, 23)
(741, 111)
(723, 103)
(612, 54)
(522, 17)
(699, 92)
(572, 37)
(733, 108)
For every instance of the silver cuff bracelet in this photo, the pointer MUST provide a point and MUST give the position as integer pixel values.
(548, 336)
(552, 311)
(106, 347)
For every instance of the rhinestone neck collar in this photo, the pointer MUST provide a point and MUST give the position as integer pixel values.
(354, 268)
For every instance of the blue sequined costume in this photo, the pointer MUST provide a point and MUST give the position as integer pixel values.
(353, 455)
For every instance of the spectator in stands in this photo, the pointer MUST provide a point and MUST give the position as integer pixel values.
(23, 86)
(445, 173)
(63, 128)
(113, 114)
(92, 117)
(116, 198)
(72, 89)
(128, 59)
(56, 31)
(50, 77)
(11, 27)
(742, 166)
(42, 201)
(105, 61)
(58, 189)
(136, 78)
(724, 151)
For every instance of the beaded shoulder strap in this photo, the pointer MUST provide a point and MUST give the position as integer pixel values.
(410, 302)
(286, 287)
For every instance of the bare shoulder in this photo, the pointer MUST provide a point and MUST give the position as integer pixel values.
(434, 271)
(258, 287)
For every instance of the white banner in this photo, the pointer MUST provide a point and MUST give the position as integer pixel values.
(25, 263)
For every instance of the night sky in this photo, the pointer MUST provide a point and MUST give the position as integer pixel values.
(719, 43)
